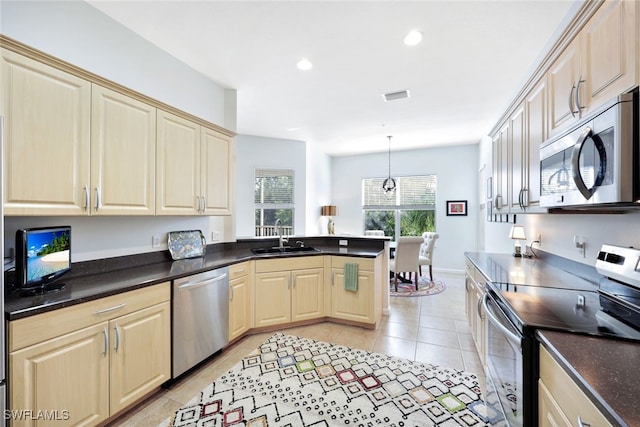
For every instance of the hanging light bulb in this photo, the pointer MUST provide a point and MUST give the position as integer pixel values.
(389, 184)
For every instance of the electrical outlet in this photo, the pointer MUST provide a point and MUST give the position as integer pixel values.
(215, 236)
(343, 242)
(155, 241)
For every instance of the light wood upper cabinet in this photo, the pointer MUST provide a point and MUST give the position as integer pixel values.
(216, 172)
(598, 65)
(46, 136)
(193, 164)
(178, 166)
(123, 151)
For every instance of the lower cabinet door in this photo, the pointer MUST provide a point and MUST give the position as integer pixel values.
(307, 294)
(67, 378)
(357, 306)
(239, 306)
(140, 354)
(273, 298)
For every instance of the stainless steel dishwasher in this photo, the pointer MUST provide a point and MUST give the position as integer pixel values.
(200, 317)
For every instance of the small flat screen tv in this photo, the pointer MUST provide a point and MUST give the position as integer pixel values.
(43, 255)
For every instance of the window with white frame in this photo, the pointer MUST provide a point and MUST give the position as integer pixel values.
(410, 212)
(274, 190)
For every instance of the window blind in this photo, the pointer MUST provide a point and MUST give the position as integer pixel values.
(274, 187)
(412, 192)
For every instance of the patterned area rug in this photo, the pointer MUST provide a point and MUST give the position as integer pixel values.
(425, 287)
(292, 381)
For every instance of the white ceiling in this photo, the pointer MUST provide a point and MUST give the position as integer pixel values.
(474, 57)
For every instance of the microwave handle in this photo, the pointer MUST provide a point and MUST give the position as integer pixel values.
(575, 162)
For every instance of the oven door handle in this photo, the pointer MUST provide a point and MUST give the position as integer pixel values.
(514, 338)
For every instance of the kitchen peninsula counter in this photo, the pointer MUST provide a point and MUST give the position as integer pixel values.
(91, 280)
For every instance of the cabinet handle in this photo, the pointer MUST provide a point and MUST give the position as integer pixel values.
(86, 198)
(105, 333)
(107, 310)
(231, 289)
(204, 204)
(117, 346)
(582, 423)
(573, 113)
(198, 203)
(480, 308)
(577, 95)
(98, 201)
(525, 198)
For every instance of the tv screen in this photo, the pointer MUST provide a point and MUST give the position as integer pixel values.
(43, 255)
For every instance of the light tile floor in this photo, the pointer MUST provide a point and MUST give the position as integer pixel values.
(430, 329)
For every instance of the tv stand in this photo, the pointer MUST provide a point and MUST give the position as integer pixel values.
(42, 290)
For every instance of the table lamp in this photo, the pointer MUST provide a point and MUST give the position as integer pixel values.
(330, 211)
(517, 234)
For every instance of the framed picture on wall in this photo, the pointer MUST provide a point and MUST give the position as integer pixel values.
(456, 208)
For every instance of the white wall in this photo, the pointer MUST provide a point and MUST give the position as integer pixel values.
(457, 171)
(78, 33)
(318, 192)
(254, 152)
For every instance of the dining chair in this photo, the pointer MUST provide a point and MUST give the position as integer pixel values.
(405, 259)
(426, 252)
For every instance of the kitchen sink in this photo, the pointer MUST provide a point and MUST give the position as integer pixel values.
(284, 250)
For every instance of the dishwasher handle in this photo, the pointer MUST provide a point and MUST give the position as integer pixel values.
(193, 285)
(493, 319)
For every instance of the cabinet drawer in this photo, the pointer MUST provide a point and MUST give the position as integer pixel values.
(41, 327)
(565, 391)
(363, 263)
(239, 270)
(291, 263)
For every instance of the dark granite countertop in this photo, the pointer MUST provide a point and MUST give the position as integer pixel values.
(102, 278)
(603, 368)
(505, 268)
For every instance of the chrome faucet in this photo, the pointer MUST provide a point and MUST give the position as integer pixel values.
(281, 240)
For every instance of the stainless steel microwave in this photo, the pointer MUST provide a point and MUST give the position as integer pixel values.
(595, 162)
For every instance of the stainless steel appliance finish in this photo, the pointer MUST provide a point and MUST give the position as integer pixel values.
(200, 318)
(609, 308)
(595, 162)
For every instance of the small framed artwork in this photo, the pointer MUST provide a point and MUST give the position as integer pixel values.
(456, 208)
(489, 188)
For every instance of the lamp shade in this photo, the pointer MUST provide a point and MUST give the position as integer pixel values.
(328, 210)
(517, 232)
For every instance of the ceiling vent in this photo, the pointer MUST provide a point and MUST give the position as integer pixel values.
(392, 96)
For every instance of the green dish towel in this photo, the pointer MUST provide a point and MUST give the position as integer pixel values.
(351, 276)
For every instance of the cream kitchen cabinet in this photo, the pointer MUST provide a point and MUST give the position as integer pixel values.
(193, 168)
(92, 360)
(474, 294)
(560, 401)
(288, 290)
(123, 155)
(47, 138)
(500, 149)
(364, 305)
(598, 65)
(73, 147)
(240, 299)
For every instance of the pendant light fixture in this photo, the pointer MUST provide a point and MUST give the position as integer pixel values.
(389, 184)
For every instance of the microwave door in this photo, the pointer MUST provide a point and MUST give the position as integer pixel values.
(588, 163)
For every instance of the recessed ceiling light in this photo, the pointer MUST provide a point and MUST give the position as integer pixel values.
(413, 38)
(304, 64)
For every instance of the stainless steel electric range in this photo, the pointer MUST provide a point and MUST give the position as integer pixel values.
(516, 309)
